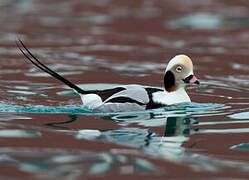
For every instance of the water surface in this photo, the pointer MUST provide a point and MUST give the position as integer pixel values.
(46, 134)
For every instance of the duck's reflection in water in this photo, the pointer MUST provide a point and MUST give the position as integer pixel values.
(176, 131)
(171, 132)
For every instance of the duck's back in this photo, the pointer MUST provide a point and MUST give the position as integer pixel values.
(125, 98)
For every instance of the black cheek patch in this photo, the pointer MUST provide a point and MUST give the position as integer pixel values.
(169, 80)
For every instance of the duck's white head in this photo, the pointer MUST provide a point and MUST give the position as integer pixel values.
(179, 72)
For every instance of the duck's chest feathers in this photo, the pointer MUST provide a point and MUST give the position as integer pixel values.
(169, 98)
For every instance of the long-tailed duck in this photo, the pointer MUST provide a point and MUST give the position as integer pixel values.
(178, 74)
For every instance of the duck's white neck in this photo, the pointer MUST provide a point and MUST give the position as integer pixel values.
(173, 97)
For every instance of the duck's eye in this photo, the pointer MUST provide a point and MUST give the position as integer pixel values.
(179, 69)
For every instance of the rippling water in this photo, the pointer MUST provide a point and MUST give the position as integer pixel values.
(46, 134)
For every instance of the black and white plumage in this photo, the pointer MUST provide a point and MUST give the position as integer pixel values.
(179, 72)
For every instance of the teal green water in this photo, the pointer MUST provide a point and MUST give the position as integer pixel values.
(180, 109)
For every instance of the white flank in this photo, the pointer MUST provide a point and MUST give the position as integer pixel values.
(120, 107)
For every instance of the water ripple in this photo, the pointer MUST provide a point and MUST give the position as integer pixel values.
(175, 110)
(58, 163)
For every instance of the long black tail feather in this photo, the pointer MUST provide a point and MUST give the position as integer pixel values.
(41, 66)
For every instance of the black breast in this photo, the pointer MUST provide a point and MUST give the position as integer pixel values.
(151, 104)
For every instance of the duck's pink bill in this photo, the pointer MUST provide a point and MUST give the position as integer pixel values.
(193, 80)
